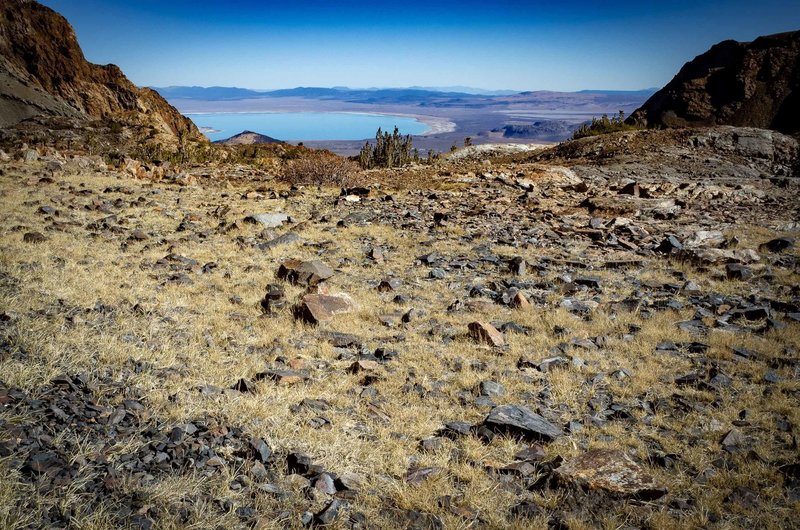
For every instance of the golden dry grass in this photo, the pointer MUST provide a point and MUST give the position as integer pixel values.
(187, 336)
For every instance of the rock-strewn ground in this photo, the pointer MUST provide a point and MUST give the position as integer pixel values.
(605, 334)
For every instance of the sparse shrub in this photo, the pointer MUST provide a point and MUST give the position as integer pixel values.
(321, 168)
(390, 150)
(603, 125)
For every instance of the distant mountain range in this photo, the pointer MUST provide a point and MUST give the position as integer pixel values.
(413, 95)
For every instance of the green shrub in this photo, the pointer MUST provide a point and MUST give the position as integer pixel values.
(390, 150)
(603, 125)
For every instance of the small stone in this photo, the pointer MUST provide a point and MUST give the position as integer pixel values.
(267, 220)
(324, 483)
(305, 273)
(437, 273)
(734, 441)
(520, 302)
(491, 389)
(737, 271)
(261, 449)
(431, 445)
(669, 244)
(486, 333)
(33, 237)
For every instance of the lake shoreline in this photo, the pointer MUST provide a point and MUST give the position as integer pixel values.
(435, 125)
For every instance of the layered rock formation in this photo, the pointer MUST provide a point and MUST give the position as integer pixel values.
(43, 72)
(749, 84)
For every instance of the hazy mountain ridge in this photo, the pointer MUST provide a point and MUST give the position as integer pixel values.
(416, 95)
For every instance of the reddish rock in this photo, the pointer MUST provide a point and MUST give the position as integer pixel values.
(612, 471)
(318, 308)
(520, 302)
(486, 333)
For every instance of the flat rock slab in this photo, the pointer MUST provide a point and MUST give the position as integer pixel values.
(518, 420)
(307, 273)
(267, 220)
(612, 471)
(284, 239)
(318, 308)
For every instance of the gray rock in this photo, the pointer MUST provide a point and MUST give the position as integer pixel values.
(518, 420)
(490, 389)
(267, 220)
(283, 239)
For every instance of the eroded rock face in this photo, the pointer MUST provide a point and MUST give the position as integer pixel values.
(612, 471)
(44, 72)
(747, 84)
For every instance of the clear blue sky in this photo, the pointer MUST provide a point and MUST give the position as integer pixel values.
(497, 44)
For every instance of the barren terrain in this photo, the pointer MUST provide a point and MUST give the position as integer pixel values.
(604, 334)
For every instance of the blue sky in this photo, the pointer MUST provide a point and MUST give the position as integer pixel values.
(533, 45)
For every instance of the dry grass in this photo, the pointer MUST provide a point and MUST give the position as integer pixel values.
(186, 336)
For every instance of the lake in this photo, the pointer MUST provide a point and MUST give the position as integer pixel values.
(304, 126)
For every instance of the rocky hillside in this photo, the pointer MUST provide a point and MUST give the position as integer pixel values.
(604, 334)
(43, 72)
(750, 84)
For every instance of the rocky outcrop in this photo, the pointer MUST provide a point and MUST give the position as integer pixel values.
(748, 84)
(43, 72)
(248, 138)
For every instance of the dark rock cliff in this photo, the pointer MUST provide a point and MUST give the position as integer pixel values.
(746, 84)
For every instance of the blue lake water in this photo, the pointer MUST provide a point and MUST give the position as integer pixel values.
(304, 126)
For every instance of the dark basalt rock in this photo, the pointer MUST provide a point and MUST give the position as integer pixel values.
(517, 420)
(746, 84)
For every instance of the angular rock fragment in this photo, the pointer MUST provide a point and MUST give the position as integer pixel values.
(283, 239)
(319, 308)
(330, 513)
(518, 420)
(267, 220)
(486, 333)
(305, 273)
(274, 299)
(612, 471)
